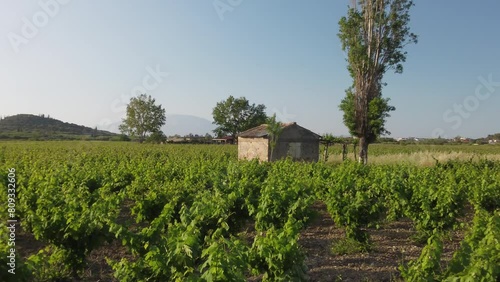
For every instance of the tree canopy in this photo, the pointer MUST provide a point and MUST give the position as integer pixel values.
(143, 118)
(374, 35)
(235, 115)
(378, 112)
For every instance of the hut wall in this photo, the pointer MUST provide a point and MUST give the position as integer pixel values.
(307, 150)
(253, 148)
(310, 151)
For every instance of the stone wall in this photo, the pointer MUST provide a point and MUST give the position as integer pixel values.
(253, 148)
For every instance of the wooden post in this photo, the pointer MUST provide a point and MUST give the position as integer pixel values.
(355, 145)
(344, 151)
(326, 151)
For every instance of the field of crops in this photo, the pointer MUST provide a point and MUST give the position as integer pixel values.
(134, 212)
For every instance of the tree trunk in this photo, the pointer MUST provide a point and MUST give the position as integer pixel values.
(363, 150)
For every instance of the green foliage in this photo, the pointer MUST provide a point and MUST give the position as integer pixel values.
(77, 228)
(182, 212)
(121, 137)
(328, 138)
(143, 117)
(31, 127)
(274, 128)
(484, 194)
(378, 112)
(276, 253)
(235, 115)
(349, 246)
(284, 196)
(478, 258)
(156, 138)
(226, 259)
(374, 36)
(397, 192)
(51, 264)
(21, 272)
(427, 267)
(351, 200)
(64, 205)
(437, 198)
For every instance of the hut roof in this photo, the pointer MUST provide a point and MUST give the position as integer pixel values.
(261, 130)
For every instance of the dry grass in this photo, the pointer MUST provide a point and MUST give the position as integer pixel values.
(423, 158)
(428, 158)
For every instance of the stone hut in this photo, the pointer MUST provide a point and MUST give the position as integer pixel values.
(295, 141)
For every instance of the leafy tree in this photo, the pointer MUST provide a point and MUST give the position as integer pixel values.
(378, 111)
(495, 136)
(274, 128)
(374, 35)
(235, 115)
(156, 137)
(143, 117)
(121, 137)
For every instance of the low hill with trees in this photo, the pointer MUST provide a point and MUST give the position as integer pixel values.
(41, 127)
(495, 136)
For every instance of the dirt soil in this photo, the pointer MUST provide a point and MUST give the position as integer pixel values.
(392, 246)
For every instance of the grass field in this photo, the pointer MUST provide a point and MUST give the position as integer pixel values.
(418, 154)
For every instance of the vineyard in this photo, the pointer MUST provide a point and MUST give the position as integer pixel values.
(196, 213)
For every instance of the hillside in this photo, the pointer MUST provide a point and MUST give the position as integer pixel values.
(26, 126)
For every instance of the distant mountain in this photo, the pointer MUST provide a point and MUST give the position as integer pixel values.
(186, 124)
(25, 126)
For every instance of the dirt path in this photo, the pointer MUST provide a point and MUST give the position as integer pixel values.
(392, 245)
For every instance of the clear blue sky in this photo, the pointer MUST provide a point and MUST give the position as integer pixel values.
(85, 58)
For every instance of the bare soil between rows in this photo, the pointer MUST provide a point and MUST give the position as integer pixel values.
(392, 246)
